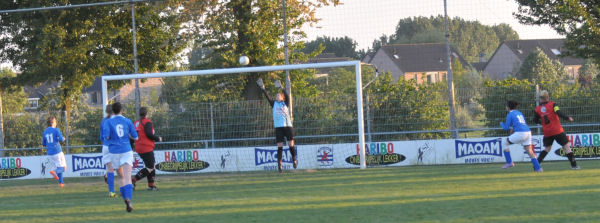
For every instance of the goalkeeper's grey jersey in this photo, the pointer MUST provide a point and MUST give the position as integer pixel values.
(281, 115)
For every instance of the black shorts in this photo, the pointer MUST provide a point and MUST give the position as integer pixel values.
(287, 132)
(148, 159)
(561, 139)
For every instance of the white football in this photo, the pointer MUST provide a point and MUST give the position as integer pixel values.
(244, 60)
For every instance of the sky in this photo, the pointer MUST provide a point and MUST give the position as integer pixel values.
(366, 20)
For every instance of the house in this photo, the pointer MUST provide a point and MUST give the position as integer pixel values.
(509, 56)
(93, 94)
(425, 63)
(37, 93)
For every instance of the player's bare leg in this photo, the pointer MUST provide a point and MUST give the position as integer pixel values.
(126, 186)
(534, 161)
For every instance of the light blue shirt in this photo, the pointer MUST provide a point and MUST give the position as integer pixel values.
(515, 119)
(281, 115)
(116, 131)
(50, 139)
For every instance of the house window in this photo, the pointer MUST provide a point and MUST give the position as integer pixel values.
(570, 73)
(94, 97)
(32, 103)
(555, 51)
(429, 79)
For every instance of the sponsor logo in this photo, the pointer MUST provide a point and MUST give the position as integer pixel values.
(424, 149)
(11, 168)
(584, 140)
(325, 156)
(80, 163)
(182, 161)
(267, 158)
(224, 158)
(583, 146)
(138, 162)
(377, 154)
(537, 146)
(466, 148)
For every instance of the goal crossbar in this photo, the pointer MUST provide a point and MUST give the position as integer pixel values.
(240, 70)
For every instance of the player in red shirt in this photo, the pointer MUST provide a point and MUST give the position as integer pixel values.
(145, 148)
(548, 113)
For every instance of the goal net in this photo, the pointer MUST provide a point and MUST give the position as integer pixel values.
(205, 124)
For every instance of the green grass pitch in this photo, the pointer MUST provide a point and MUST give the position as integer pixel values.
(448, 193)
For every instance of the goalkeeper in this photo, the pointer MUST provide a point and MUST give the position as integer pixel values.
(145, 148)
(282, 121)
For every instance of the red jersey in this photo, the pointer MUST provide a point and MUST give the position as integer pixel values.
(143, 144)
(550, 121)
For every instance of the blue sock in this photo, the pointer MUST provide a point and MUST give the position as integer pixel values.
(507, 156)
(110, 179)
(123, 192)
(60, 178)
(536, 164)
(129, 188)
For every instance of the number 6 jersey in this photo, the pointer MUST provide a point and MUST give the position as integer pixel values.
(116, 132)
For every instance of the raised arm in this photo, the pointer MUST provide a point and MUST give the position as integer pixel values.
(286, 96)
(261, 85)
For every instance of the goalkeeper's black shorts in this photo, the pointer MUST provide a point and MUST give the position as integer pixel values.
(148, 159)
(281, 132)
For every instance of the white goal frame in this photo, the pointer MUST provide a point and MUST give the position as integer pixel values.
(240, 70)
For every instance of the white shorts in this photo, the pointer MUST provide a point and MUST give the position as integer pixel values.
(523, 138)
(105, 155)
(59, 160)
(120, 159)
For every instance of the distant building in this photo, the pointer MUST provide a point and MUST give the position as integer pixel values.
(509, 57)
(93, 94)
(425, 63)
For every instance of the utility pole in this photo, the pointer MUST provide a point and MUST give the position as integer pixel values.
(1, 126)
(450, 81)
(288, 82)
(135, 65)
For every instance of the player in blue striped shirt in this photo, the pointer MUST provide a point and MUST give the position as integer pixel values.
(51, 139)
(521, 134)
(117, 131)
(282, 121)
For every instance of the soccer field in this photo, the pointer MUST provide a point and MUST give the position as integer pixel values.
(448, 193)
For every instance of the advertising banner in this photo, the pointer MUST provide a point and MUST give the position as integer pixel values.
(323, 156)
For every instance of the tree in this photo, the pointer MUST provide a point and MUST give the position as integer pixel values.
(587, 73)
(74, 46)
(14, 98)
(255, 29)
(470, 38)
(340, 46)
(579, 20)
(540, 69)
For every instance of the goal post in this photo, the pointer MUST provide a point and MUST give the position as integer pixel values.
(241, 70)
